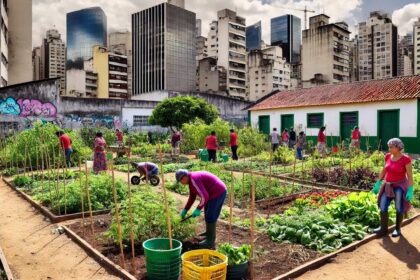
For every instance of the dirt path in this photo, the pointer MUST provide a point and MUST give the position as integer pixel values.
(386, 258)
(34, 251)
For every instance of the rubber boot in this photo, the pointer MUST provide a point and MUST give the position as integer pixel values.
(383, 229)
(397, 231)
(209, 242)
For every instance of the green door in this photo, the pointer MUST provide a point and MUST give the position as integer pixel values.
(287, 121)
(348, 120)
(388, 126)
(264, 124)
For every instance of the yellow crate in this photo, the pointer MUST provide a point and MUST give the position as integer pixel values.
(204, 265)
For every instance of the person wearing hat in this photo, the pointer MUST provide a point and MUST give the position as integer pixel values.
(398, 186)
(212, 192)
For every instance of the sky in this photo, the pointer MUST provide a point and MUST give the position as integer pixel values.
(49, 14)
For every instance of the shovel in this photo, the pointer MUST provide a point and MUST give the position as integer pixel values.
(186, 218)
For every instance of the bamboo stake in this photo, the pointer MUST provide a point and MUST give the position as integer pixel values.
(252, 223)
(271, 168)
(57, 178)
(117, 215)
(130, 207)
(165, 199)
(294, 168)
(231, 197)
(25, 158)
(37, 159)
(89, 204)
(48, 163)
(81, 196)
(64, 180)
(243, 184)
(30, 164)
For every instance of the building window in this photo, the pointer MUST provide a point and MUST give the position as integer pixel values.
(140, 121)
(315, 120)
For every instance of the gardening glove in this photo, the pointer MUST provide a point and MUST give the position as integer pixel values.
(184, 213)
(196, 213)
(377, 187)
(409, 194)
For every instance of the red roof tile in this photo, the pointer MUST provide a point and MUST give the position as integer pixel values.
(359, 92)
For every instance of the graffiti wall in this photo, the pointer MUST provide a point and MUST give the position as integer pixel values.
(27, 108)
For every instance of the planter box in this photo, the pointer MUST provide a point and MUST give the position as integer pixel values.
(6, 268)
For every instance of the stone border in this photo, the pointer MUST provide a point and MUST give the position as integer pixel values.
(317, 263)
(46, 212)
(6, 267)
(98, 256)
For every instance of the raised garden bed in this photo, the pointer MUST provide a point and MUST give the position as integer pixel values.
(5, 272)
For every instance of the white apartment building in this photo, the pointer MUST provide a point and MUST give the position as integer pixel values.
(378, 43)
(267, 71)
(201, 48)
(53, 58)
(325, 52)
(416, 42)
(121, 43)
(226, 43)
(405, 56)
(4, 35)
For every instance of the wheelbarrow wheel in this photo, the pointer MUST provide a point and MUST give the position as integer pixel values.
(154, 180)
(135, 180)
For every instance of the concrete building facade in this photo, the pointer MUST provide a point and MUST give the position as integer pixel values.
(53, 57)
(405, 55)
(19, 41)
(164, 49)
(37, 68)
(378, 42)
(227, 43)
(121, 43)
(325, 52)
(267, 71)
(210, 76)
(4, 45)
(416, 44)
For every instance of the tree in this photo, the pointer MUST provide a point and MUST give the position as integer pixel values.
(174, 112)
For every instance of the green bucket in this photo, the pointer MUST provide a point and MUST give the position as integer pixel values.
(162, 263)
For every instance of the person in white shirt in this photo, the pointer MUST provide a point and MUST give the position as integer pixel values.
(275, 139)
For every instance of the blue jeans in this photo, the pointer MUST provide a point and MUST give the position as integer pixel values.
(299, 153)
(68, 154)
(213, 208)
(399, 201)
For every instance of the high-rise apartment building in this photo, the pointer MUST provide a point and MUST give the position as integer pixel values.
(325, 52)
(201, 48)
(354, 60)
(164, 49)
(53, 57)
(416, 44)
(378, 43)
(227, 43)
(37, 67)
(405, 55)
(267, 71)
(85, 28)
(4, 47)
(286, 33)
(210, 77)
(198, 30)
(253, 37)
(121, 43)
(18, 39)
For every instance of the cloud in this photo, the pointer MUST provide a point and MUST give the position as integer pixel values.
(48, 14)
(405, 17)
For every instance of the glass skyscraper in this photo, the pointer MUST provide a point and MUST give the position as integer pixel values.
(253, 37)
(85, 29)
(286, 32)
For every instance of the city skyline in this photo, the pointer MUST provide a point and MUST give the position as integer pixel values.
(119, 14)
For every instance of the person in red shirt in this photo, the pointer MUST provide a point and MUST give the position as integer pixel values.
(322, 142)
(356, 136)
(65, 142)
(234, 144)
(120, 137)
(211, 146)
(285, 137)
(398, 186)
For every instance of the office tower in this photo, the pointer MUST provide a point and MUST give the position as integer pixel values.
(325, 52)
(53, 56)
(253, 37)
(121, 43)
(286, 33)
(377, 45)
(164, 49)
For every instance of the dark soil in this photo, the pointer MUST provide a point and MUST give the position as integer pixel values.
(272, 259)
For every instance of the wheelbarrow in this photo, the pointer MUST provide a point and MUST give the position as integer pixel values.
(154, 180)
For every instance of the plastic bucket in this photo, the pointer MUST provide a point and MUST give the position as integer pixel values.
(162, 263)
(237, 271)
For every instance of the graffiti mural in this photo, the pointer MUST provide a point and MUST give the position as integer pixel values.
(73, 120)
(27, 108)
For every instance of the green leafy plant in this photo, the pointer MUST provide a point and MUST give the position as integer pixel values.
(251, 142)
(236, 255)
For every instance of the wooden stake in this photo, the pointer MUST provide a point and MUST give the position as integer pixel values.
(243, 184)
(130, 207)
(89, 204)
(252, 224)
(294, 168)
(24, 163)
(270, 170)
(231, 197)
(117, 216)
(47, 156)
(165, 199)
(57, 185)
(64, 180)
(81, 196)
(30, 164)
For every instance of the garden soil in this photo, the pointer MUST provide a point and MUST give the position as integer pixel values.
(33, 248)
(381, 259)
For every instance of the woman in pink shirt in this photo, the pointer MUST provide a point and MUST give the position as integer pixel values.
(212, 192)
(285, 137)
(398, 186)
(211, 146)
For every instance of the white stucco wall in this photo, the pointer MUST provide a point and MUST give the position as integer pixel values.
(368, 117)
(128, 113)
